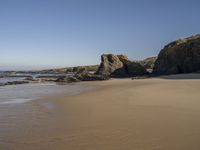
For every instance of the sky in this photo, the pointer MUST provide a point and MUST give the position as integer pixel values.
(36, 34)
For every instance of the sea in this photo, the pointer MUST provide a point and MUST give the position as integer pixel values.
(24, 106)
(17, 94)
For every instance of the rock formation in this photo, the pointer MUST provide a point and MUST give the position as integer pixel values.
(64, 79)
(86, 76)
(110, 64)
(149, 62)
(181, 56)
(92, 68)
(119, 66)
(16, 82)
(135, 69)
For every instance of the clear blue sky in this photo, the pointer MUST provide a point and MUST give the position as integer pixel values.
(57, 33)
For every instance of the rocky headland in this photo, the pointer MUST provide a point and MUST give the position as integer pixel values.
(180, 56)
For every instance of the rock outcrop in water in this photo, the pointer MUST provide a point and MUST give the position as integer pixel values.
(16, 82)
(91, 68)
(64, 79)
(181, 56)
(86, 76)
(119, 66)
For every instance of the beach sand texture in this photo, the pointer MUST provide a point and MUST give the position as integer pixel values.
(120, 114)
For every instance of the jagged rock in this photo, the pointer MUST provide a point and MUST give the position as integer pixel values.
(51, 76)
(16, 82)
(86, 76)
(47, 80)
(30, 78)
(81, 71)
(123, 58)
(119, 66)
(181, 56)
(110, 64)
(92, 68)
(65, 79)
(149, 62)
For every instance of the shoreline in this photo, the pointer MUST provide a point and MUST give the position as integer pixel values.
(27, 92)
(117, 114)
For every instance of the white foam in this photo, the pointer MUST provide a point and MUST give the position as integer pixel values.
(16, 101)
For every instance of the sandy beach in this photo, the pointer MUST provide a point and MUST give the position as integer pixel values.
(119, 114)
(99, 75)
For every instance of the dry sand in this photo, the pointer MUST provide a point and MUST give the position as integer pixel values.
(120, 114)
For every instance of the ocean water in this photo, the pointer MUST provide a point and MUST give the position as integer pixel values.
(10, 79)
(20, 115)
(17, 94)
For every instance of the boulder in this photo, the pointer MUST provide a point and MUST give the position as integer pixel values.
(181, 56)
(110, 64)
(119, 66)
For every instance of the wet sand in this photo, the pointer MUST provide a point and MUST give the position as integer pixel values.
(120, 114)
